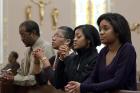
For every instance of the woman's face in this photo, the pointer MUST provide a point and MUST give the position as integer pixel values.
(79, 40)
(107, 34)
(58, 39)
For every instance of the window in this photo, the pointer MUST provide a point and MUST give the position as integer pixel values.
(87, 11)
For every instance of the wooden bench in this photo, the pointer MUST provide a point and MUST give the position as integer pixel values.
(126, 91)
(6, 86)
(138, 86)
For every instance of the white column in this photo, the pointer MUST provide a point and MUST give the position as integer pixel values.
(1, 31)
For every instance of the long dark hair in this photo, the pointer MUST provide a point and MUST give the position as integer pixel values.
(119, 24)
(90, 33)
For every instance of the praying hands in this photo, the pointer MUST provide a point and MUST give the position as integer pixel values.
(72, 87)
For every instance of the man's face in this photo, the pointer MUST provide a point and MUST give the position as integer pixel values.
(26, 37)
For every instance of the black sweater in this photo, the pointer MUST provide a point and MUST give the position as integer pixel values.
(75, 67)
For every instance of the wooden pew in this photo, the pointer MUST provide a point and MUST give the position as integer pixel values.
(6, 86)
(39, 89)
(126, 91)
(138, 86)
(50, 89)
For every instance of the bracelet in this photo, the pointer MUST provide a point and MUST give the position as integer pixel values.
(43, 59)
(61, 59)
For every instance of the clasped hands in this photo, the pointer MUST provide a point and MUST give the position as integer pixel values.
(72, 87)
(7, 75)
(62, 52)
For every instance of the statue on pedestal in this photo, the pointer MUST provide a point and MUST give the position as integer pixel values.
(54, 16)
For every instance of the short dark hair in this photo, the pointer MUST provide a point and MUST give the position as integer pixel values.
(68, 33)
(91, 33)
(15, 54)
(119, 24)
(31, 26)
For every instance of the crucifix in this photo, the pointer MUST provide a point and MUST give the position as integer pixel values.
(41, 4)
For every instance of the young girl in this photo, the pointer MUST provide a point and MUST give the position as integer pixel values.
(116, 64)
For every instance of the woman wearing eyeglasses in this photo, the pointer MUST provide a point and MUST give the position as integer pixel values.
(79, 66)
(62, 37)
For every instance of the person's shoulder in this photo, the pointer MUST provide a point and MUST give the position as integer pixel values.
(71, 56)
(52, 59)
(127, 49)
(69, 59)
(17, 63)
(43, 43)
(103, 50)
(127, 46)
(47, 46)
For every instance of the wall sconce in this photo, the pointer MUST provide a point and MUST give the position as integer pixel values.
(135, 27)
(54, 16)
(28, 12)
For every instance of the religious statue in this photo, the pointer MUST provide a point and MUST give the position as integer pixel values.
(28, 12)
(135, 27)
(54, 16)
(41, 4)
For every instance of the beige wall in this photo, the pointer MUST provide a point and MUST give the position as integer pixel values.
(14, 14)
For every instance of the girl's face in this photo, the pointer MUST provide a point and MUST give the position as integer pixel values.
(80, 40)
(107, 33)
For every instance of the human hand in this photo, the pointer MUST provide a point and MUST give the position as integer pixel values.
(63, 51)
(72, 87)
(38, 53)
(8, 75)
